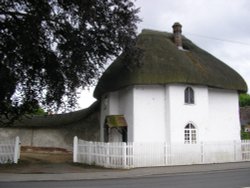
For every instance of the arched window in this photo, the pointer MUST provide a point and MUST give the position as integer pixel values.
(190, 134)
(189, 95)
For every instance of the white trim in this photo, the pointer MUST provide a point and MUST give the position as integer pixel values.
(191, 133)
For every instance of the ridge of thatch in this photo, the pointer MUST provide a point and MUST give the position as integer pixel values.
(164, 63)
(55, 120)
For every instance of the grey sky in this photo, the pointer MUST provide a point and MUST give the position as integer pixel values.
(203, 22)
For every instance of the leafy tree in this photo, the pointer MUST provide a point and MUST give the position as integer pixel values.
(244, 100)
(51, 48)
(39, 111)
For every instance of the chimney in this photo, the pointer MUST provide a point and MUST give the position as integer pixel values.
(177, 35)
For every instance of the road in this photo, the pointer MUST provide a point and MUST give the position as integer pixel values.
(238, 178)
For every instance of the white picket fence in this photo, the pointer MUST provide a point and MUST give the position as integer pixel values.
(131, 155)
(9, 150)
(245, 150)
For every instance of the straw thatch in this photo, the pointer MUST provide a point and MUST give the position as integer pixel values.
(163, 63)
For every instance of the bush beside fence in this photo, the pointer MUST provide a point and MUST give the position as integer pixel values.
(9, 150)
(130, 155)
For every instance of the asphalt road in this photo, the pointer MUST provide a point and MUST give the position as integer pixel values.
(239, 178)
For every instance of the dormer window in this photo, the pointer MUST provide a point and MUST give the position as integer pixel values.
(189, 95)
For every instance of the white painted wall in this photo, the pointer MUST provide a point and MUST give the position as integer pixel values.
(126, 108)
(109, 106)
(158, 113)
(113, 107)
(181, 114)
(118, 103)
(149, 113)
(224, 122)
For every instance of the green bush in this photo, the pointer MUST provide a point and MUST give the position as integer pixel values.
(245, 135)
(244, 100)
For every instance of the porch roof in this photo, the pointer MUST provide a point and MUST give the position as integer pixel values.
(116, 121)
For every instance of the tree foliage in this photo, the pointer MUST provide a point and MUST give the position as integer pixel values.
(49, 48)
(244, 100)
(245, 135)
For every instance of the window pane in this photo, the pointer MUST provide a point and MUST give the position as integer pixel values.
(186, 137)
(190, 133)
(189, 95)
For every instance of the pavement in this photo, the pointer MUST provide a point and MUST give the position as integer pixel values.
(70, 171)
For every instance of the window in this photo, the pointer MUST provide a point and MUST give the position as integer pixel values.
(189, 95)
(190, 134)
(105, 102)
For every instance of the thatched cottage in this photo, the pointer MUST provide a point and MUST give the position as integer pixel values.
(178, 93)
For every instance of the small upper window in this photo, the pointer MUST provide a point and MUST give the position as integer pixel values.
(189, 95)
(190, 134)
(105, 102)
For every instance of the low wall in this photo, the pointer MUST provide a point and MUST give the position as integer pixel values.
(57, 136)
(39, 137)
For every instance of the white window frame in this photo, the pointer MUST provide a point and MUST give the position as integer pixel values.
(190, 134)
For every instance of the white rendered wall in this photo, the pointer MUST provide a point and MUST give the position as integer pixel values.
(149, 114)
(118, 103)
(158, 113)
(113, 106)
(181, 114)
(224, 122)
(126, 108)
(109, 106)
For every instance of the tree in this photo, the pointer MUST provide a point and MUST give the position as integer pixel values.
(50, 48)
(244, 100)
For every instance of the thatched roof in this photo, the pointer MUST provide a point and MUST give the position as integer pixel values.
(56, 120)
(164, 63)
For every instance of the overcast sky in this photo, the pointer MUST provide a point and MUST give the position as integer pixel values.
(220, 27)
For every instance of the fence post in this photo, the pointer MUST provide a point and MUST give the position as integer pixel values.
(132, 155)
(75, 150)
(124, 155)
(165, 154)
(16, 150)
(107, 154)
(90, 152)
